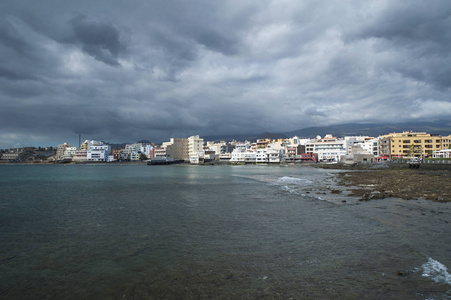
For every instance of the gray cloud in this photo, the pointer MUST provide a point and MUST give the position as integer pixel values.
(101, 40)
(418, 34)
(158, 69)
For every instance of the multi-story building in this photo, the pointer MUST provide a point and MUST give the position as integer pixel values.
(80, 155)
(160, 153)
(147, 150)
(11, 156)
(328, 149)
(98, 151)
(175, 149)
(446, 142)
(195, 146)
(135, 156)
(268, 156)
(116, 154)
(412, 144)
(246, 156)
(243, 153)
(84, 145)
(60, 151)
(371, 146)
(69, 152)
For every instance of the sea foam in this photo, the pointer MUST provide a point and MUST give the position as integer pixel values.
(293, 180)
(437, 271)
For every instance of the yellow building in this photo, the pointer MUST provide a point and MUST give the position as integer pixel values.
(414, 144)
(446, 142)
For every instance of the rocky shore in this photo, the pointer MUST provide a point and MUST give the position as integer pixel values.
(402, 183)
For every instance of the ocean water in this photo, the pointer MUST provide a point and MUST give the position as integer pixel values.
(213, 232)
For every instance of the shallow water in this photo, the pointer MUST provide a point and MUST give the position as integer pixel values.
(226, 232)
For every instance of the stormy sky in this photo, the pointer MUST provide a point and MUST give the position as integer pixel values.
(121, 71)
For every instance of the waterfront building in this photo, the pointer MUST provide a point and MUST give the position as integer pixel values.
(160, 153)
(268, 155)
(97, 151)
(60, 151)
(243, 153)
(328, 148)
(11, 156)
(225, 156)
(115, 153)
(195, 148)
(124, 154)
(411, 144)
(176, 149)
(69, 152)
(80, 155)
(247, 156)
(135, 156)
(147, 150)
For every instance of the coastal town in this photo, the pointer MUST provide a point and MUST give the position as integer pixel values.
(348, 149)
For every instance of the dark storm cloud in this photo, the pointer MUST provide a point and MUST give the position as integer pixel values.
(99, 39)
(123, 71)
(14, 74)
(420, 33)
(10, 36)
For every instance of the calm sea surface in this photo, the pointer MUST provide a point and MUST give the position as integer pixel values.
(221, 232)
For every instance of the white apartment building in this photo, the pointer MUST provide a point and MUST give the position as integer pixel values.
(147, 150)
(243, 153)
(330, 150)
(268, 155)
(248, 156)
(195, 148)
(97, 151)
(372, 146)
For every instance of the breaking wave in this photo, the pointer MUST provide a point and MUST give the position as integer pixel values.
(437, 271)
(293, 180)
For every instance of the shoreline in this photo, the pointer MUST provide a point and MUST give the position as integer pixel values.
(407, 184)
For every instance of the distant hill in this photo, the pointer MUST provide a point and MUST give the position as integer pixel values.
(274, 136)
(231, 137)
(442, 127)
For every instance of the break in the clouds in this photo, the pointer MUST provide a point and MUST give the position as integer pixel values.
(126, 70)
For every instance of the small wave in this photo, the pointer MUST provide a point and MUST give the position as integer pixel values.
(437, 271)
(288, 189)
(293, 180)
